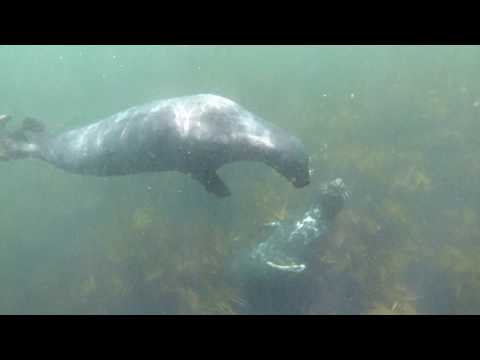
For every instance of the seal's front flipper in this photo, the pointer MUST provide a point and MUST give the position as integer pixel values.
(212, 183)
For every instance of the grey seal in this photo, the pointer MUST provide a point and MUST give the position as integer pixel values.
(195, 135)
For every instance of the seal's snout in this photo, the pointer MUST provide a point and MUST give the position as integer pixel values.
(299, 173)
(301, 181)
(301, 184)
(304, 172)
(292, 161)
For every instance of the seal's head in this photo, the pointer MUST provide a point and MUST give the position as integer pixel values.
(290, 159)
(332, 197)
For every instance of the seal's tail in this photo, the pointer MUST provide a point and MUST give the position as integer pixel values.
(20, 143)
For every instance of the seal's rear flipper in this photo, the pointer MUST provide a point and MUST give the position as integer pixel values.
(23, 142)
(3, 154)
(4, 119)
(33, 125)
(29, 127)
(212, 183)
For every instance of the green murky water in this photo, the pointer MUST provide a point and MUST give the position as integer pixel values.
(399, 124)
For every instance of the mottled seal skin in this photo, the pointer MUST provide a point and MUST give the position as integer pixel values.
(195, 135)
(279, 275)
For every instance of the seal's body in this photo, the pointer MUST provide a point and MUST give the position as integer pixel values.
(279, 275)
(195, 135)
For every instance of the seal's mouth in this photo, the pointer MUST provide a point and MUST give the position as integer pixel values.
(300, 182)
